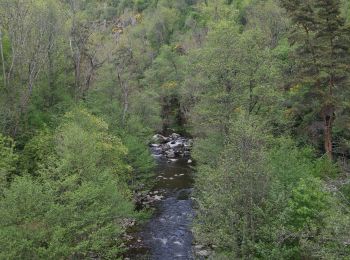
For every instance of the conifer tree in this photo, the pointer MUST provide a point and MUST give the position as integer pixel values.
(322, 54)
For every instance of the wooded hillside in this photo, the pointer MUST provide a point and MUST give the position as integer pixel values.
(262, 86)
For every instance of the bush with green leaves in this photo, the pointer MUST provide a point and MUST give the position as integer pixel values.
(231, 197)
(8, 160)
(139, 157)
(264, 199)
(25, 227)
(77, 206)
(36, 152)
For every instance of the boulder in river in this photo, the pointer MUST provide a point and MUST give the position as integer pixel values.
(175, 144)
(160, 139)
(174, 136)
(170, 153)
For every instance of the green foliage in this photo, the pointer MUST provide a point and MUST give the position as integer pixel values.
(321, 38)
(80, 196)
(92, 173)
(165, 76)
(258, 195)
(346, 191)
(232, 195)
(222, 71)
(239, 73)
(261, 200)
(36, 152)
(289, 163)
(309, 218)
(306, 205)
(24, 226)
(141, 5)
(141, 161)
(86, 147)
(8, 161)
(325, 168)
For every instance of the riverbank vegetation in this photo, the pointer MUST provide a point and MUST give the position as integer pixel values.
(261, 85)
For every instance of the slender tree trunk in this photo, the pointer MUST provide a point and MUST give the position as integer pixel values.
(126, 106)
(125, 91)
(329, 117)
(51, 80)
(77, 76)
(328, 140)
(2, 60)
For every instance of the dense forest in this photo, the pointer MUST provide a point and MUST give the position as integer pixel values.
(262, 86)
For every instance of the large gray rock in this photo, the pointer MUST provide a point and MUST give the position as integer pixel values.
(175, 144)
(175, 136)
(170, 153)
(204, 253)
(158, 138)
(188, 143)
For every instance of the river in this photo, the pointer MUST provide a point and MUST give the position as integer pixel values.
(167, 235)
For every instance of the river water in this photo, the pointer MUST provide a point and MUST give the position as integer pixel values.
(168, 233)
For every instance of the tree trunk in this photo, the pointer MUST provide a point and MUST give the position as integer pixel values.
(2, 60)
(51, 80)
(328, 117)
(126, 106)
(125, 98)
(328, 142)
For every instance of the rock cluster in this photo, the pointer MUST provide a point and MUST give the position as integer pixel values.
(173, 146)
(145, 200)
(201, 252)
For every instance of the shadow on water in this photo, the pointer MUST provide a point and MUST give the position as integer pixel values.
(167, 235)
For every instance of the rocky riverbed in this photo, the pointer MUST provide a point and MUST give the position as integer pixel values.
(172, 147)
(168, 233)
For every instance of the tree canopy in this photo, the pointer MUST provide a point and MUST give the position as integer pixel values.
(262, 86)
